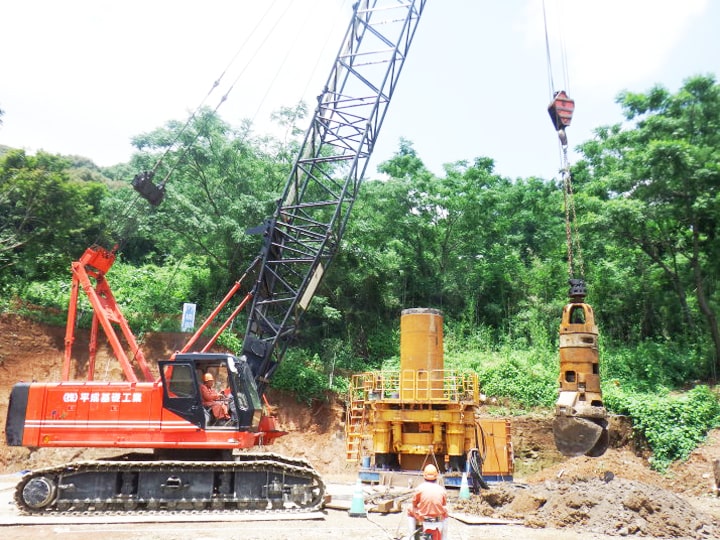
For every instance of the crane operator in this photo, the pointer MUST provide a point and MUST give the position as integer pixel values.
(213, 400)
(429, 503)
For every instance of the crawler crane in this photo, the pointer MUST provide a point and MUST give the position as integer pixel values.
(194, 464)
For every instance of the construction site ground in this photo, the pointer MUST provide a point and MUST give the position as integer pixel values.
(552, 497)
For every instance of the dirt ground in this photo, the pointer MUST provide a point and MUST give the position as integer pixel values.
(552, 496)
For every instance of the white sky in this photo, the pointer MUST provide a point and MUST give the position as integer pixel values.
(84, 76)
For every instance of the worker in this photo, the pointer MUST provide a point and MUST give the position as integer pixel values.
(213, 400)
(428, 503)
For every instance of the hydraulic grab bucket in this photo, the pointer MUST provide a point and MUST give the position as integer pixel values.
(580, 425)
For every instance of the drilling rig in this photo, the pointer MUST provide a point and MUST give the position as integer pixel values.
(424, 413)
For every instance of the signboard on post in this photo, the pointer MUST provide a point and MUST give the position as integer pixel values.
(188, 318)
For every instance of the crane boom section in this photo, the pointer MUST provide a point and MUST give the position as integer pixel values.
(305, 231)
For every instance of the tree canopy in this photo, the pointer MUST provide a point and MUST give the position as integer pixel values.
(46, 216)
(653, 189)
(487, 250)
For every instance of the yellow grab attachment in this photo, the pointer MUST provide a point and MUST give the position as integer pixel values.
(580, 425)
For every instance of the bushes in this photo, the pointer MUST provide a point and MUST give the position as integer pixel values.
(527, 377)
(150, 296)
(651, 365)
(310, 376)
(530, 384)
(304, 378)
(638, 383)
(673, 425)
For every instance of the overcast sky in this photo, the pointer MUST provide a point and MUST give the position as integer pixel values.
(84, 76)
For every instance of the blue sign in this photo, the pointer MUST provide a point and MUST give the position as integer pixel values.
(188, 318)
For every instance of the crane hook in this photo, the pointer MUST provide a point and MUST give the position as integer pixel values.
(561, 109)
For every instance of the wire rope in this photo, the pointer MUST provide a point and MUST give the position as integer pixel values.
(310, 73)
(242, 71)
(252, 56)
(563, 55)
(128, 213)
(325, 46)
(281, 65)
(572, 234)
(215, 85)
(232, 85)
(563, 52)
(548, 56)
(575, 260)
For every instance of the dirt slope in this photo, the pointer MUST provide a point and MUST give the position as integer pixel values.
(616, 494)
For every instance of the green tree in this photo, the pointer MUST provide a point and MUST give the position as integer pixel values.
(508, 239)
(219, 182)
(46, 218)
(655, 185)
(472, 243)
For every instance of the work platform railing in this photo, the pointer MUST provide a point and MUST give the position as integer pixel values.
(410, 385)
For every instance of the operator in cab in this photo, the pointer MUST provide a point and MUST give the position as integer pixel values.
(213, 400)
(429, 504)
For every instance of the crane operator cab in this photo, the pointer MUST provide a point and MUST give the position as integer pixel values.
(236, 403)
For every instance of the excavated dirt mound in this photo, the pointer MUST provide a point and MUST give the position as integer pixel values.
(616, 494)
(612, 506)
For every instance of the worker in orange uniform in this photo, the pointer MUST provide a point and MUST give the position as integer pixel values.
(212, 399)
(429, 503)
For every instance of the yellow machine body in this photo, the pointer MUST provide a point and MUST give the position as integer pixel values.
(580, 425)
(423, 412)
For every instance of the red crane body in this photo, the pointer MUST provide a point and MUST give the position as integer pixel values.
(122, 415)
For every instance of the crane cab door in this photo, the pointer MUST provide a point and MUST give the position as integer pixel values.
(181, 390)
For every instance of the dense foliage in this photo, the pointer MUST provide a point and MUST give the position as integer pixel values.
(653, 189)
(487, 250)
(671, 425)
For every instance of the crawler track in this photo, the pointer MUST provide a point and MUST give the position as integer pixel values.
(251, 483)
